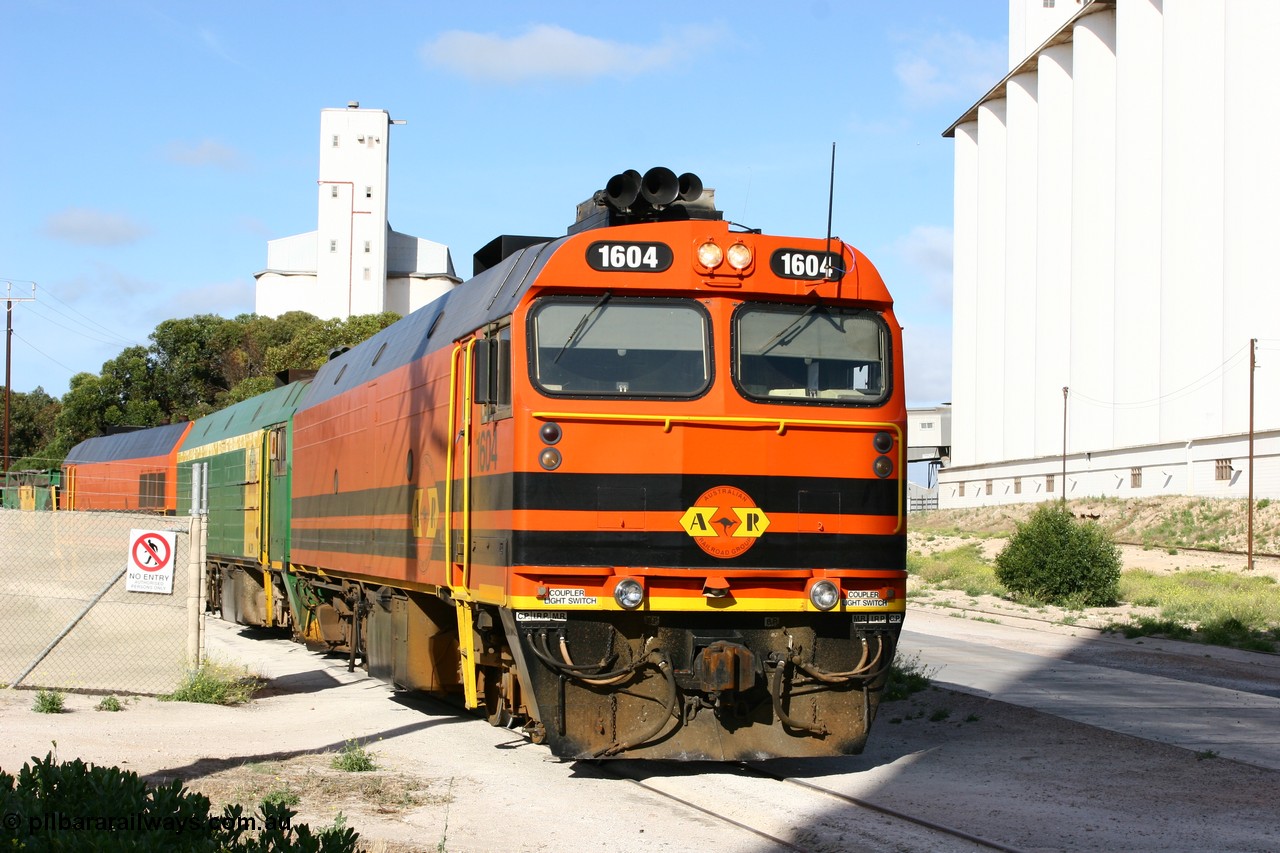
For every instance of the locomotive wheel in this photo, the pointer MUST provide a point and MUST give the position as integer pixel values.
(497, 710)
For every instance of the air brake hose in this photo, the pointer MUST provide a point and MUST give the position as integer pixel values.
(667, 712)
(786, 719)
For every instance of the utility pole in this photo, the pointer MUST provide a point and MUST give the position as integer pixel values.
(1064, 445)
(8, 358)
(1253, 365)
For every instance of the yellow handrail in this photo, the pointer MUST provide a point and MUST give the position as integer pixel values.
(781, 425)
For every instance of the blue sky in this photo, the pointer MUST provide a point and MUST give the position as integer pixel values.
(149, 150)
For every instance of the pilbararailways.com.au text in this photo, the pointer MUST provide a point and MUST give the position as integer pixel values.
(54, 821)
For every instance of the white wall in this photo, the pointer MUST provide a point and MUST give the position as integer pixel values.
(964, 294)
(989, 332)
(1030, 24)
(1114, 223)
(1139, 191)
(1022, 206)
(1054, 169)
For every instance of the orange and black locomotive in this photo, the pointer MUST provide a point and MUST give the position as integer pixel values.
(639, 489)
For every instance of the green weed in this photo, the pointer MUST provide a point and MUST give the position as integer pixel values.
(215, 684)
(48, 702)
(354, 758)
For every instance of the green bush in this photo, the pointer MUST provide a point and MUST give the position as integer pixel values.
(78, 806)
(215, 684)
(1054, 558)
(48, 702)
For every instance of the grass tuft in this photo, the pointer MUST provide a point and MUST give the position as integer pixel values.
(906, 676)
(48, 702)
(962, 568)
(354, 758)
(216, 684)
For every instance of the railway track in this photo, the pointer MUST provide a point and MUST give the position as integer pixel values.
(832, 821)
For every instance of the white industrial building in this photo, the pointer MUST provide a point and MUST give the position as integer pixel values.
(1116, 199)
(353, 263)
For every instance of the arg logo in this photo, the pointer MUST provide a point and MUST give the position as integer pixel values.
(724, 522)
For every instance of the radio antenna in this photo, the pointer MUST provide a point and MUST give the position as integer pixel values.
(831, 200)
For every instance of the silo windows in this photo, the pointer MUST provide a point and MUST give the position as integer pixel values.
(335, 140)
(368, 192)
(1017, 485)
(368, 247)
(1048, 483)
(333, 246)
(1135, 478)
(1222, 469)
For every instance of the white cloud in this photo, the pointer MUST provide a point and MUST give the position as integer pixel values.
(927, 249)
(545, 51)
(206, 152)
(953, 66)
(85, 227)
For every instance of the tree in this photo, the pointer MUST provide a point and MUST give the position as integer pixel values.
(195, 366)
(1052, 557)
(31, 427)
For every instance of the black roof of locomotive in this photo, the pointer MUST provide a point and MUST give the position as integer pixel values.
(138, 444)
(489, 296)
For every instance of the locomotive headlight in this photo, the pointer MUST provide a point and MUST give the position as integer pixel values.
(883, 466)
(710, 255)
(550, 458)
(824, 594)
(739, 256)
(629, 593)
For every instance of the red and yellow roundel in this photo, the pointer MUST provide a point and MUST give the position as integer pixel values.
(725, 522)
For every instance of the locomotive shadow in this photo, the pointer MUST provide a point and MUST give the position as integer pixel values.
(208, 766)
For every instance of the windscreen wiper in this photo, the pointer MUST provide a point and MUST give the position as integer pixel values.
(793, 328)
(577, 330)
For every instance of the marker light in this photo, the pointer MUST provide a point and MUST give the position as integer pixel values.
(739, 256)
(710, 255)
(883, 466)
(550, 458)
(824, 595)
(882, 442)
(629, 593)
(550, 433)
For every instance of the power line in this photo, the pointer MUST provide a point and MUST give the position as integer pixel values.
(46, 355)
(1195, 385)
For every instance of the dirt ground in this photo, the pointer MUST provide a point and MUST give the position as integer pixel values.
(445, 782)
(1155, 560)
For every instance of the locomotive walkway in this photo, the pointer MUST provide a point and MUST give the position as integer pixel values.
(1206, 699)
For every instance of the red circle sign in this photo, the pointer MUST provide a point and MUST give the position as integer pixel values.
(150, 552)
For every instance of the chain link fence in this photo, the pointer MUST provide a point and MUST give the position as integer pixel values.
(71, 617)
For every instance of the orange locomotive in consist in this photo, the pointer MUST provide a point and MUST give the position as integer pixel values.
(640, 488)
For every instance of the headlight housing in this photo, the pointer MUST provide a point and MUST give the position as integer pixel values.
(824, 594)
(629, 593)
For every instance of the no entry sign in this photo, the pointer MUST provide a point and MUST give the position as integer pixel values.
(150, 561)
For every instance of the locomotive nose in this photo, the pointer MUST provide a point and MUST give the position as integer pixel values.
(725, 666)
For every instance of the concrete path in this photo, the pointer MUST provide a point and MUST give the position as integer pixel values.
(1169, 692)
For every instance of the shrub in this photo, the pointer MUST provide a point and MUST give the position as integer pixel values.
(1052, 557)
(48, 702)
(215, 684)
(78, 806)
(354, 758)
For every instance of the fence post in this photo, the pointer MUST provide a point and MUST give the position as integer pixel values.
(196, 594)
